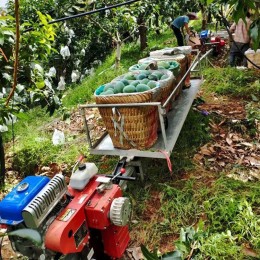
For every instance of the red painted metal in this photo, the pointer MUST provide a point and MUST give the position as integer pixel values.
(90, 209)
(115, 240)
(97, 210)
(60, 236)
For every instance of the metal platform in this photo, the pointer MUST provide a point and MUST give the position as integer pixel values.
(176, 118)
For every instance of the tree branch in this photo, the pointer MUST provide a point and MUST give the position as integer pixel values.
(2, 52)
(105, 31)
(16, 51)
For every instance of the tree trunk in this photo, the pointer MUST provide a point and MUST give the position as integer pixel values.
(204, 17)
(157, 24)
(142, 33)
(2, 162)
(118, 53)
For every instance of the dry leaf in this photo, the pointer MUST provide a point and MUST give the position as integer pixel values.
(205, 151)
(229, 141)
(135, 253)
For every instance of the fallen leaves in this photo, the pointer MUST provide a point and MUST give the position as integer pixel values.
(229, 150)
(232, 109)
(74, 126)
(230, 147)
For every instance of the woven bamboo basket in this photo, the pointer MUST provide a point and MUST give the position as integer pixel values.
(133, 127)
(181, 58)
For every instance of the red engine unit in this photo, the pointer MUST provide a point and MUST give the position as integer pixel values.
(219, 44)
(70, 231)
(115, 240)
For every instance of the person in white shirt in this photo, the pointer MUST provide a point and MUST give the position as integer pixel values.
(241, 41)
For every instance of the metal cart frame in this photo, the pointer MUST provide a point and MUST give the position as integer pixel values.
(167, 137)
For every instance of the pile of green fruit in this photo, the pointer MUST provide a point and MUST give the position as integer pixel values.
(133, 82)
(173, 66)
(144, 66)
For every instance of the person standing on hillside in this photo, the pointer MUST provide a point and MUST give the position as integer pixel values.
(241, 41)
(178, 25)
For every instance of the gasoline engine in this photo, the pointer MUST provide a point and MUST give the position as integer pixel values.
(87, 219)
(208, 40)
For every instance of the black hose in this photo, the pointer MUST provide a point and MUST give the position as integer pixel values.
(86, 13)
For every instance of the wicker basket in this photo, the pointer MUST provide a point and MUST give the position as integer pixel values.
(133, 127)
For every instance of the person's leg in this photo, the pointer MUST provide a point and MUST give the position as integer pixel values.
(232, 55)
(178, 35)
(244, 49)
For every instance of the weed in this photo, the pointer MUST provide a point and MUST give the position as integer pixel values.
(246, 225)
(225, 200)
(179, 206)
(232, 81)
(220, 246)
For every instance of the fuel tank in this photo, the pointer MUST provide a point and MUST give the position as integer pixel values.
(21, 195)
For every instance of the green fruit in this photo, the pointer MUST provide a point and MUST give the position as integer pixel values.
(152, 77)
(152, 84)
(174, 64)
(141, 76)
(146, 72)
(142, 88)
(129, 76)
(108, 86)
(164, 77)
(110, 92)
(135, 67)
(144, 81)
(119, 86)
(164, 64)
(125, 81)
(161, 67)
(129, 89)
(158, 74)
(135, 82)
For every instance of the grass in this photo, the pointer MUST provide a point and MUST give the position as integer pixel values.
(231, 81)
(228, 209)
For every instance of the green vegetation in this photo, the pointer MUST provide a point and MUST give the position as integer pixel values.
(233, 82)
(215, 217)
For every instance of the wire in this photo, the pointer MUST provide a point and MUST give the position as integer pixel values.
(87, 13)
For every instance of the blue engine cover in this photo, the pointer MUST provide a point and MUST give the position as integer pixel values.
(205, 34)
(12, 205)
